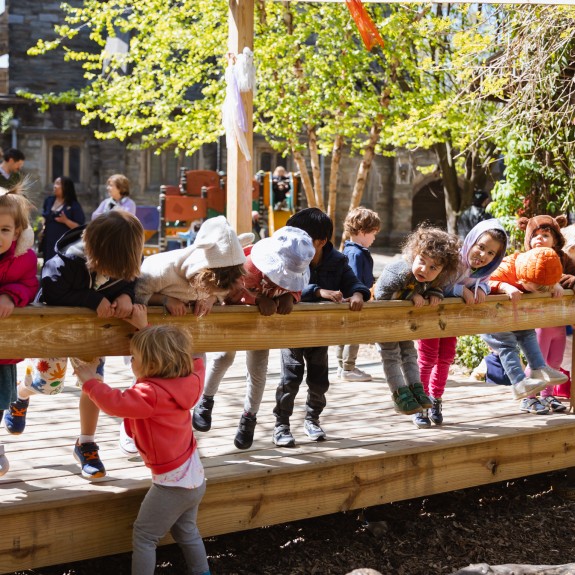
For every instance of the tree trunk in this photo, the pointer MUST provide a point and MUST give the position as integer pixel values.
(451, 188)
(305, 179)
(363, 171)
(315, 170)
(333, 178)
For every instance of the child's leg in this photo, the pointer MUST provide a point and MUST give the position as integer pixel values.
(392, 355)
(350, 356)
(527, 340)
(45, 376)
(317, 381)
(216, 369)
(161, 508)
(552, 342)
(257, 364)
(339, 351)
(427, 357)
(505, 344)
(445, 359)
(292, 370)
(186, 534)
(7, 397)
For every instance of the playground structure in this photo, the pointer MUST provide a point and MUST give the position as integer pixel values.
(201, 194)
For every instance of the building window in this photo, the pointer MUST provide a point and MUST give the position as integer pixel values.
(65, 160)
(164, 168)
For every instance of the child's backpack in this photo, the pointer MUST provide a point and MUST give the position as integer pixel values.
(563, 390)
(495, 372)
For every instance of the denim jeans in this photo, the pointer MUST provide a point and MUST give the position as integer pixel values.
(506, 344)
(399, 360)
(293, 364)
(257, 369)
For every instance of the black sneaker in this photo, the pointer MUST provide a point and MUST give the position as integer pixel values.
(435, 413)
(202, 416)
(245, 434)
(282, 436)
(87, 455)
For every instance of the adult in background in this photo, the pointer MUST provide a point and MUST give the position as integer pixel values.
(61, 212)
(474, 214)
(10, 167)
(118, 188)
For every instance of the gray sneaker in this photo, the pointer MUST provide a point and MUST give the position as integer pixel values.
(313, 430)
(354, 374)
(550, 375)
(282, 436)
(527, 387)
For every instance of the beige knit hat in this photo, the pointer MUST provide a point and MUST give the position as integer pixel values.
(216, 246)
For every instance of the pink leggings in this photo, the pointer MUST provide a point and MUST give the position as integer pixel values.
(552, 341)
(435, 357)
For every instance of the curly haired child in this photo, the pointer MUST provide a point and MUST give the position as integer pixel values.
(18, 282)
(157, 416)
(361, 225)
(430, 261)
(95, 266)
(483, 249)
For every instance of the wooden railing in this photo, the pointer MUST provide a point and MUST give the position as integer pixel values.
(44, 331)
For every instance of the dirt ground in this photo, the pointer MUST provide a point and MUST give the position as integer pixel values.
(524, 521)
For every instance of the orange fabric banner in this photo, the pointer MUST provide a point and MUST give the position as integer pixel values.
(365, 25)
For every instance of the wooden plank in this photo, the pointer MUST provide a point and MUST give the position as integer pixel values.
(42, 331)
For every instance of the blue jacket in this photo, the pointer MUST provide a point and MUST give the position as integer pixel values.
(67, 281)
(333, 273)
(361, 262)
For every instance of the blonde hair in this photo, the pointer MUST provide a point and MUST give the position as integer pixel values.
(122, 183)
(13, 203)
(114, 244)
(164, 351)
(361, 220)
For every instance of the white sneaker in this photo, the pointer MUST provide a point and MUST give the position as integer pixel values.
(526, 387)
(549, 375)
(4, 463)
(354, 375)
(127, 445)
(339, 372)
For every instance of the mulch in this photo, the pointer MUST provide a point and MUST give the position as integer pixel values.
(526, 521)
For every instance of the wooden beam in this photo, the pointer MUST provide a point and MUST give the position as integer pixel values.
(239, 170)
(520, 2)
(43, 331)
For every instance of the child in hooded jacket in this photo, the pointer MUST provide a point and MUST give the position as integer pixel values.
(199, 275)
(277, 269)
(331, 279)
(18, 282)
(482, 251)
(157, 416)
(545, 231)
(430, 261)
(95, 266)
(538, 270)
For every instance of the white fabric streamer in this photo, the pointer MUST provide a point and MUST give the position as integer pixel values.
(234, 116)
(245, 71)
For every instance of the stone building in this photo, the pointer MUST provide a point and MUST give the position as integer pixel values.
(55, 143)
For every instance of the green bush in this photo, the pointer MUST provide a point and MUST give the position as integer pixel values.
(471, 349)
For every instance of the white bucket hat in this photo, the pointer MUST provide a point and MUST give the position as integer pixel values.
(285, 257)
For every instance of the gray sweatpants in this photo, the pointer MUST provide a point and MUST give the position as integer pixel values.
(173, 509)
(257, 370)
(400, 366)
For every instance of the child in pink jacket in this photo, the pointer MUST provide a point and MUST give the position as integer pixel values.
(156, 412)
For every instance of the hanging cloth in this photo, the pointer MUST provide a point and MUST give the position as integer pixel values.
(365, 25)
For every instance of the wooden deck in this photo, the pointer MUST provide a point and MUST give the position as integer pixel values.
(50, 514)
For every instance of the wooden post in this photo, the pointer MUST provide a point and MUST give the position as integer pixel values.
(239, 170)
